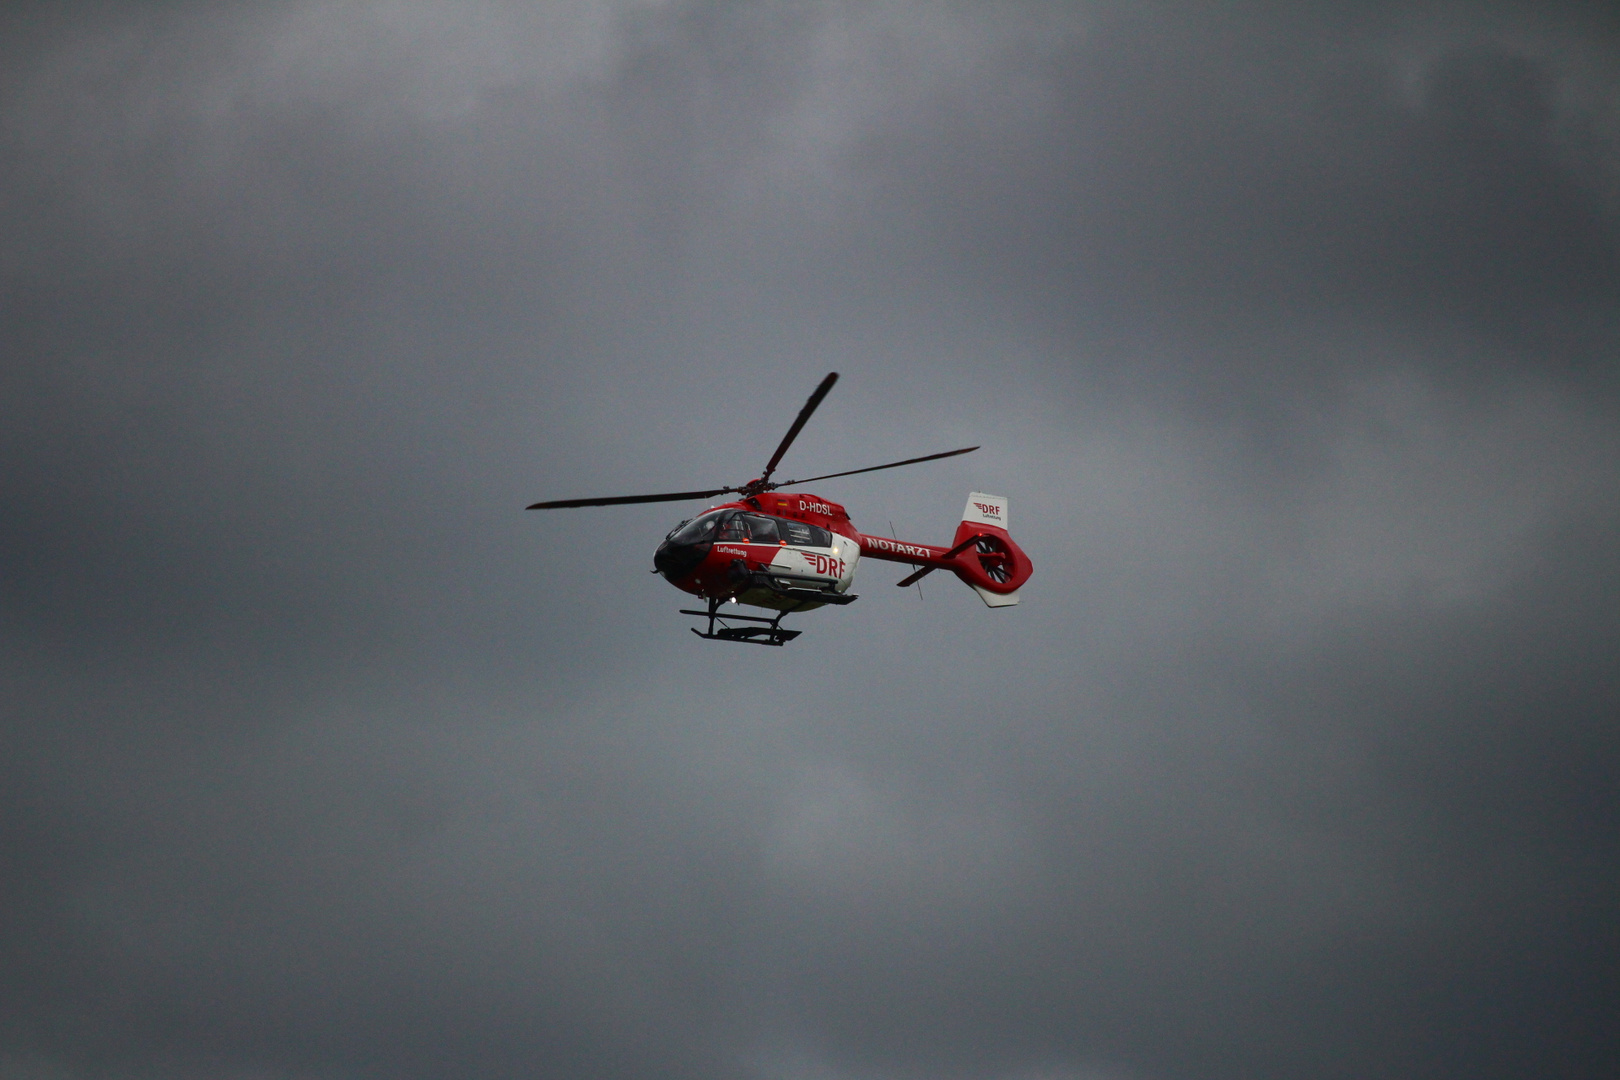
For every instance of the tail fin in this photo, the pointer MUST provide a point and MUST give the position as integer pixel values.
(995, 567)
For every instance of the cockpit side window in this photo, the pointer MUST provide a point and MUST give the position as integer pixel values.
(749, 529)
(761, 530)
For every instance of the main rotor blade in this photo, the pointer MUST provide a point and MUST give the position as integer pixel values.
(620, 500)
(804, 414)
(875, 468)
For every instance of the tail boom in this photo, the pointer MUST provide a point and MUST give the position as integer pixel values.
(982, 554)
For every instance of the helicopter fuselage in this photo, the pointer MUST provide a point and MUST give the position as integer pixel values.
(797, 551)
(767, 550)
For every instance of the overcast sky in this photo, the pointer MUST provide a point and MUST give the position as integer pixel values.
(1289, 332)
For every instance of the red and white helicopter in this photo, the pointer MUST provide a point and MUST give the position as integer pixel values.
(793, 551)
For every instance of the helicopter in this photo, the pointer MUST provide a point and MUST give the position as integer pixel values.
(793, 552)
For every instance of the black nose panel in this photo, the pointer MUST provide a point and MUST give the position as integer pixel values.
(675, 561)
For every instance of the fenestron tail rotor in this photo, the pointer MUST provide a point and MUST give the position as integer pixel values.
(763, 483)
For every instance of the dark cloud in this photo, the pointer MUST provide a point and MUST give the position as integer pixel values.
(1289, 333)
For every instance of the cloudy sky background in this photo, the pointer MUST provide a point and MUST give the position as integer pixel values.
(1290, 333)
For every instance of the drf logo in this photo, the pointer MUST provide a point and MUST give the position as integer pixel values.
(825, 564)
(989, 509)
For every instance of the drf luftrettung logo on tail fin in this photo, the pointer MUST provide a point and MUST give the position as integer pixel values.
(985, 509)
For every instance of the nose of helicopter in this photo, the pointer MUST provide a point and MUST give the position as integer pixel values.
(675, 560)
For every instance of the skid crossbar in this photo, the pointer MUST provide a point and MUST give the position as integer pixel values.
(763, 631)
(771, 633)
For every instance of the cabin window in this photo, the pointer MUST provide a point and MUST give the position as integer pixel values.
(804, 534)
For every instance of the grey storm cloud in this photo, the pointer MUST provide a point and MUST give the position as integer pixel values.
(1289, 331)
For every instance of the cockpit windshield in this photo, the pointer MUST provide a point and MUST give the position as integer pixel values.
(699, 529)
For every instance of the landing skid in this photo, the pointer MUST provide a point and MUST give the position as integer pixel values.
(770, 631)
